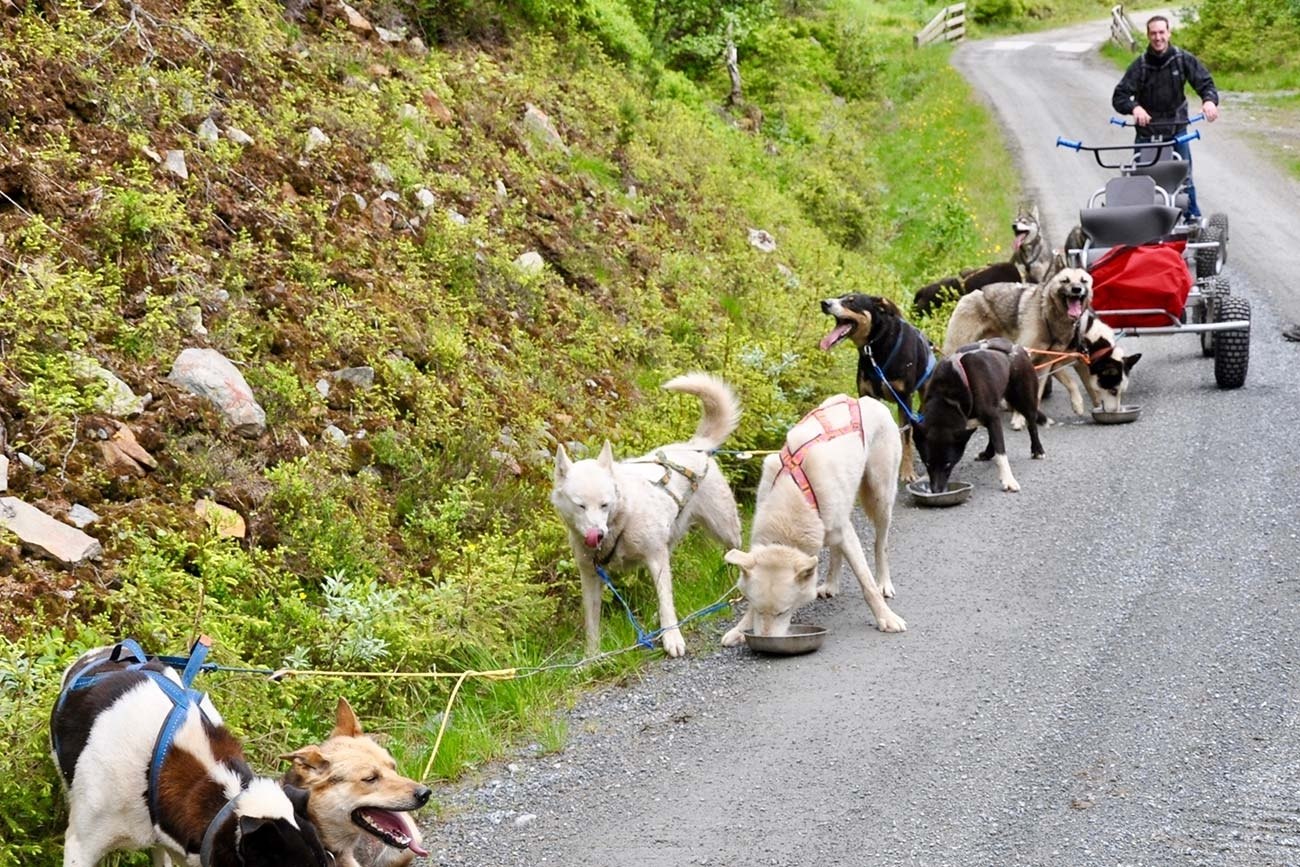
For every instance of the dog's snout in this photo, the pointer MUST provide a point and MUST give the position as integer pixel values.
(827, 303)
(423, 794)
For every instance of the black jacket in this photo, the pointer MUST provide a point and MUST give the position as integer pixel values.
(1157, 81)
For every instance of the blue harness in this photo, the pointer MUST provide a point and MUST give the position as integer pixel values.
(879, 373)
(181, 695)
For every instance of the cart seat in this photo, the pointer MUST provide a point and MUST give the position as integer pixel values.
(1129, 225)
(1169, 174)
(1134, 190)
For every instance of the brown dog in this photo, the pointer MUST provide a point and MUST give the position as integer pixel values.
(356, 798)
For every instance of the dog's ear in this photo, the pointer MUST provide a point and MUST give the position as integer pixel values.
(309, 765)
(889, 307)
(808, 570)
(606, 459)
(737, 557)
(1130, 360)
(1033, 212)
(346, 724)
(562, 464)
(298, 797)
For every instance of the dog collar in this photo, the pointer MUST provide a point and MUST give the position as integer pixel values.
(210, 835)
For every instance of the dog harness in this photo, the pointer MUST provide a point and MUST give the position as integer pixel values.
(182, 697)
(792, 461)
(693, 478)
(878, 371)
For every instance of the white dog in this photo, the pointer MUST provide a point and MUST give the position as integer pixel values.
(636, 511)
(846, 448)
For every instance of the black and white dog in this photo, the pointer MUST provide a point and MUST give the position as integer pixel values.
(894, 358)
(966, 392)
(148, 764)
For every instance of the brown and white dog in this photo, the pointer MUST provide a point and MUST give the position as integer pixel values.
(207, 807)
(357, 800)
(845, 450)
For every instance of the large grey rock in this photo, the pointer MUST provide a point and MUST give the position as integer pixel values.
(538, 123)
(175, 163)
(210, 375)
(117, 399)
(48, 537)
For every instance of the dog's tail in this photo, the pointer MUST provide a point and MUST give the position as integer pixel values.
(721, 411)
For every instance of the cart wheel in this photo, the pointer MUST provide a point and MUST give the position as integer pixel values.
(1232, 348)
(1221, 221)
(1211, 291)
(1209, 260)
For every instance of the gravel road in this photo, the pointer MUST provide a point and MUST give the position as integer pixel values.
(1103, 669)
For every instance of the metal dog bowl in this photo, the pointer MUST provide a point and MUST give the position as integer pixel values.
(957, 493)
(1123, 415)
(803, 638)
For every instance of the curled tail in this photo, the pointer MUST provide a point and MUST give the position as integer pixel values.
(721, 409)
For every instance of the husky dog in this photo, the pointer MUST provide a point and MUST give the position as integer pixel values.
(636, 511)
(965, 393)
(847, 449)
(1030, 260)
(894, 358)
(1043, 316)
(356, 799)
(191, 797)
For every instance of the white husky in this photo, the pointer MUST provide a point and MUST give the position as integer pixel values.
(846, 447)
(636, 511)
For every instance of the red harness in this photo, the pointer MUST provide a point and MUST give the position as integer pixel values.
(792, 461)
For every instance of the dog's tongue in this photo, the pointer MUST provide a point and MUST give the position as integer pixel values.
(1020, 238)
(592, 538)
(837, 334)
(394, 825)
(1074, 307)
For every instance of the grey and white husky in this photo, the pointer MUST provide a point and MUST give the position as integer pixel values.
(636, 511)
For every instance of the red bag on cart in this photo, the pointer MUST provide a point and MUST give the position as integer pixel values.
(1151, 276)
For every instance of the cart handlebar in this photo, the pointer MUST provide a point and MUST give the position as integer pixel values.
(1196, 118)
(1137, 154)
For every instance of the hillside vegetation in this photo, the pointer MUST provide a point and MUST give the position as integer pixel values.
(436, 239)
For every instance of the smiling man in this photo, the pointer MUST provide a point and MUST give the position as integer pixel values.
(1152, 90)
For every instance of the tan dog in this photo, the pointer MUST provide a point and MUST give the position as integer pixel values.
(356, 798)
(847, 449)
(1043, 316)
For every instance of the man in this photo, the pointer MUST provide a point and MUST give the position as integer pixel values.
(1152, 91)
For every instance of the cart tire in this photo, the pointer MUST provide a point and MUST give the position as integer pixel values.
(1232, 348)
(1209, 260)
(1221, 221)
(1212, 290)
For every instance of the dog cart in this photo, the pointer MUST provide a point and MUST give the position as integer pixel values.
(1156, 271)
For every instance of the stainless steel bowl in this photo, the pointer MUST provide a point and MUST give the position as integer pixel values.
(1123, 415)
(958, 492)
(803, 638)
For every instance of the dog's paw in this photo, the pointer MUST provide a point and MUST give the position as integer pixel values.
(891, 622)
(907, 474)
(887, 589)
(674, 644)
(1017, 422)
(733, 638)
(828, 590)
(1011, 486)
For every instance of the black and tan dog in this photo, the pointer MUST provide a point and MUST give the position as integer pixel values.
(966, 392)
(894, 358)
(1030, 260)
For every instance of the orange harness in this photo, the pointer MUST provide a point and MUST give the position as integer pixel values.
(792, 461)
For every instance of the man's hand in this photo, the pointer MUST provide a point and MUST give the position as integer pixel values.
(1211, 111)
(1140, 116)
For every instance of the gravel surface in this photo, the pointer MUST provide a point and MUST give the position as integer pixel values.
(1102, 669)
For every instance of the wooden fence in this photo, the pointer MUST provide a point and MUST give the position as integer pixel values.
(1122, 31)
(949, 25)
